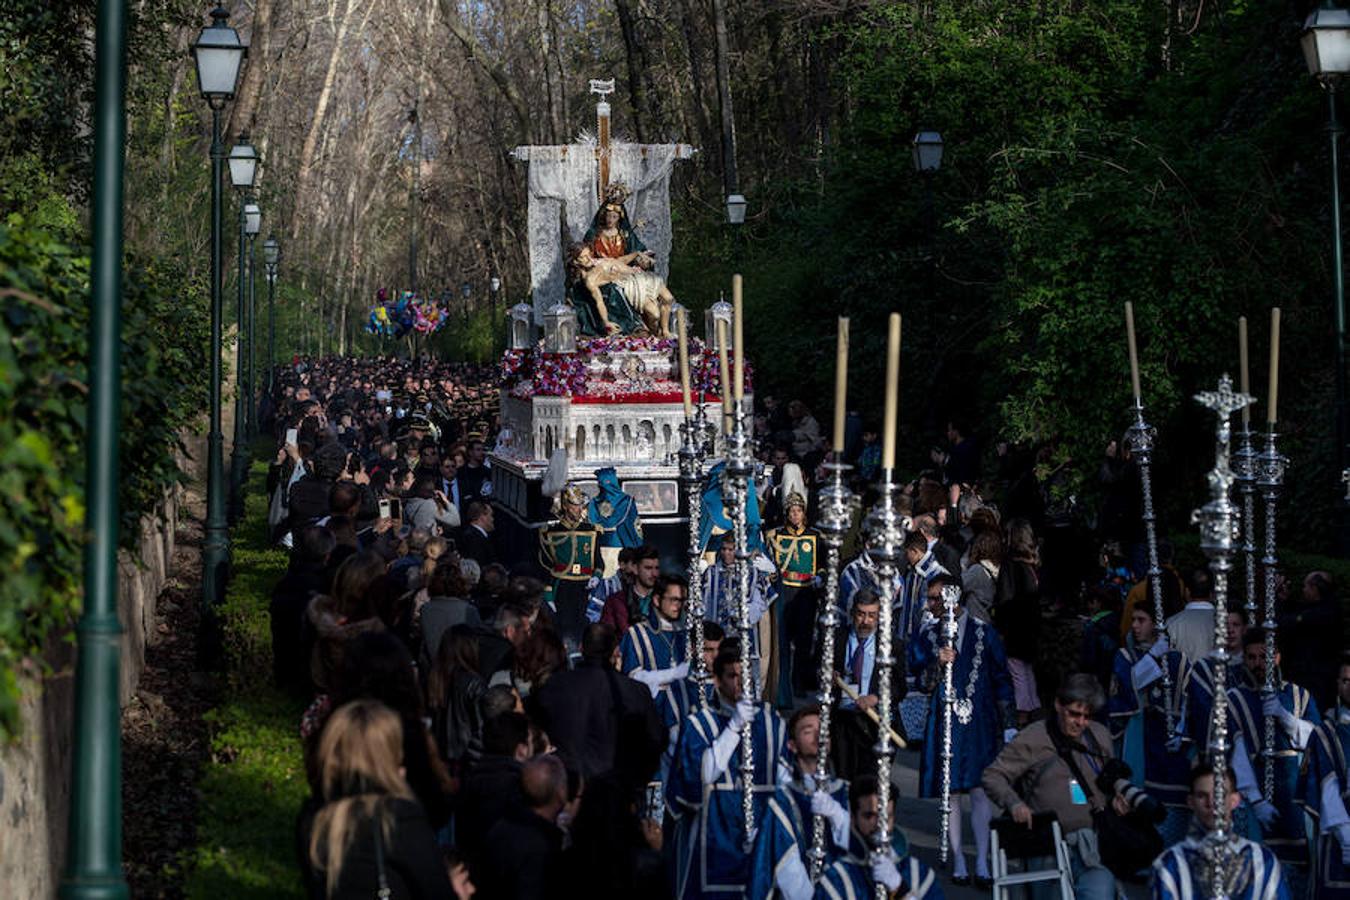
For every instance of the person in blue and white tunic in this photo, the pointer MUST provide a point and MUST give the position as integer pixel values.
(654, 651)
(855, 875)
(1295, 711)
(1137, 707)
(1325, 787)
(1197, 687)
(1183, 872)
(686, 696)
(601, 589)
(704, 791)
(780, 861)
(983, 718)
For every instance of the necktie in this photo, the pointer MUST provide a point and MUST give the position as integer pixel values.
(857, 665)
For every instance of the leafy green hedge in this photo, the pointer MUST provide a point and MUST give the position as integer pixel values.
(44, 316)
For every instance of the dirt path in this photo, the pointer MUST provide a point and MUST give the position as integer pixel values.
(164, 739)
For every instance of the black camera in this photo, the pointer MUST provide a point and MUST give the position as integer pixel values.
(1114, 780)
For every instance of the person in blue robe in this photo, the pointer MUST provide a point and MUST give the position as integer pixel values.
(705, 788)
(983, 717)
(687, 695)
(655, 651)
(923, 568)
(713, 519)
(860, 573)
(781, 860)
(614, 512)
(1183, 872)
(1326, 783)
(601, 589)
(854, 874)
(1137, 706)
(1197, 688)
(1281, 816)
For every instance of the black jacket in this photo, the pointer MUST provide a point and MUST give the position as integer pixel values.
(491, 790)
(522, 859)
(473, 544)
(412, 861)
(578, 711)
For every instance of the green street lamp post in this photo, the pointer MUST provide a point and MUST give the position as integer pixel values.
(1326, 48)
(243, 168)
(253, 224)
(219, 54)
(271, 259)
(93, 869)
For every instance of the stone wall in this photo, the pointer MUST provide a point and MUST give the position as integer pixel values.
(35, 771)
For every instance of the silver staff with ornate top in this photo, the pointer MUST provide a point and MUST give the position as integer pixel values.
(1270, 466)
(1244, 468)
(1218, 538)
(885, 539)
(950, 595)
(837, 505)
(1140, 438)
(736, 498)
(691, 455)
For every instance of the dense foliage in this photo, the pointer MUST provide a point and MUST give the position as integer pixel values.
(1083, 168)
(43, 389)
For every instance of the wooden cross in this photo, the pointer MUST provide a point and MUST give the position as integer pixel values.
(603, 89)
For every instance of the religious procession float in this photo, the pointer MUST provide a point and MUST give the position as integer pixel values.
(593, 366)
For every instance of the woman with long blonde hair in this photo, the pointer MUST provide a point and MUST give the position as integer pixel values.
(368, 834)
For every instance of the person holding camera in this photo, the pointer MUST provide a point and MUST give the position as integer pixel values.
(1055, 763)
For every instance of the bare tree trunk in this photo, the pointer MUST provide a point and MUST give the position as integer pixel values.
(499, 75)
(637, 93)
(305, 174)
(245, 112)
(552, 87)
(694, 48)
(730, 177)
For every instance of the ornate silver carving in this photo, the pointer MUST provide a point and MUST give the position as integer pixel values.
(1218, 535)
(1270, 466)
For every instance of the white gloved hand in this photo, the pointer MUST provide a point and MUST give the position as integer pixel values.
(1343, 838)
(745, 714)
(1160, 647)
(1265, 812)
(822, 804)
(1174, 744)
(1009, 734)
(680, 672)
(885, 872)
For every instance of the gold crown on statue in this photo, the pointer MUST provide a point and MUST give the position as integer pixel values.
(617, 194)
(794, 499)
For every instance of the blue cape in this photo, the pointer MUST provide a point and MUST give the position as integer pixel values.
(713, 516)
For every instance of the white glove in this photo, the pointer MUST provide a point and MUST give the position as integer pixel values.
(680, 672)
(1266, 813)
(745, 714)
(1009, 734)
(885, 872)
(1173, 744)
(822, 804)
(1271, 706)
(1343, 837)
(1160, 647)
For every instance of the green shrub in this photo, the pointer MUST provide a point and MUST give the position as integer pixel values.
(44, 317)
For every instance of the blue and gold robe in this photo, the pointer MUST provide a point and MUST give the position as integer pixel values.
(1326, 771)
(786, 830)
(977, 742)
(710, 855)
(614, 512)
(1182, 874)
(1197, 691)
(1139, 726)
(1286, 837)
(850, 876)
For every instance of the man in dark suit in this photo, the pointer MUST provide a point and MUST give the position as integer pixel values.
(593, 709)
(474, 540)
(855, 656)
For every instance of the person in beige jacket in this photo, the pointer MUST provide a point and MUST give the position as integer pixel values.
(1029, 776)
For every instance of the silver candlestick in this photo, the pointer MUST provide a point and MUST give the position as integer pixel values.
(885, 540)
(1218, 537)
(1244, 468)
(837, 505)
(691, 478)
(1140, 438)
(950, 595)
(1270, 466)
(736, 497)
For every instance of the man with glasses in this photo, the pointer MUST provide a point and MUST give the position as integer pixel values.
(1051, 750)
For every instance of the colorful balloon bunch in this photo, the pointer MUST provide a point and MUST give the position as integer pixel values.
(409, 313)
